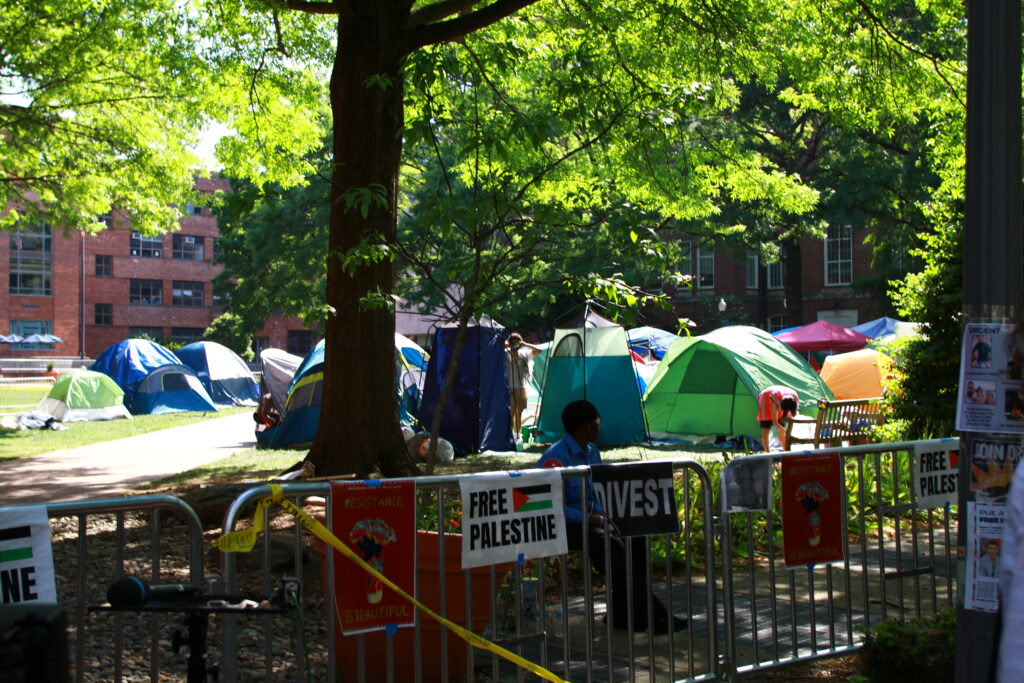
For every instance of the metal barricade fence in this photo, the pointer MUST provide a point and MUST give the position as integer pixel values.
(552, 611)
(98, 541)
(899, 562)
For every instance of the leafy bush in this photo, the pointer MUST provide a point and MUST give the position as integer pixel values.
(921, 649)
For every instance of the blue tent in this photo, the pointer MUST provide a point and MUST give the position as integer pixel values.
(650, 341)
(224, 375)
(130, 361)
(172, 388)
(302, 407)
(476, 415)
(879, 327)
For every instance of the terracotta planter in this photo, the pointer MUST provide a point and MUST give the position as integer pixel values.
(403, 657)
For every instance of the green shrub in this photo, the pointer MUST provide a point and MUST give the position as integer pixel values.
(914, 650)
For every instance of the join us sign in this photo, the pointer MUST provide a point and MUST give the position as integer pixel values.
(638, 497)
(26, 557)
(513, 516)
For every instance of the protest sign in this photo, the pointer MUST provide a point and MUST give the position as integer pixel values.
(985, 524)
(993, 460)
(748, 484)
(991, 392)
(812, 509)
(637, 497)
(26, 557)
(936, 474)
(377, 521)
(508, 517)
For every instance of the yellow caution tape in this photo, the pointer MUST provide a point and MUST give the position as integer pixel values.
(245, 540)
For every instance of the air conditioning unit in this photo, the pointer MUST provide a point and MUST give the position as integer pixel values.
(156, 253)
(136, 235)
(135, 252)
(190, 240)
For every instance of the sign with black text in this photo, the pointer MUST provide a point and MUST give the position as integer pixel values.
(26, 557)
(637, 497)
(936, 474)
(513, 516)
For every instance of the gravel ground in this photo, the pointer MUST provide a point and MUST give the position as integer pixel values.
(136, 633)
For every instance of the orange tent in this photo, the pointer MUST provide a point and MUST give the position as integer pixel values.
(857, 374)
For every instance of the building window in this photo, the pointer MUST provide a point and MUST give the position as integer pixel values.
(147, 247)
(104, 265)
(104, 314)
(686, 260)
(186, 334)
(193, 210)
(218, 250)
(107, 219)
(752, 265)
(776, 322)
(145, 292)
(187, 248)
(185, 293)
(839, 255)
(705, 268)
(26, 328)
(300, 342)
(260, 343)
(31, 262)
(776, 275)
(153, 333)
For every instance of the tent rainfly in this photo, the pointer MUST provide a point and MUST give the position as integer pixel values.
(84, 395)
(224, 374)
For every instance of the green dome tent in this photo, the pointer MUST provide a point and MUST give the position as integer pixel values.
(84, 395)
(709, 384)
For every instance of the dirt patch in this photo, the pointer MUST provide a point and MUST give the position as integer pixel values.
(836, 669)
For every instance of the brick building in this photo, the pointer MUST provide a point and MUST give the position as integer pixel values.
(731, 288)
(94, 291)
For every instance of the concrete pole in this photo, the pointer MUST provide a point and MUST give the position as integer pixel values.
(992, 244)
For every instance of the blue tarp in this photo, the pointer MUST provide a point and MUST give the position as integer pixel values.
(172, 388)
(879, 327)
(642, 339)
(130, 361)
(476, 415)
(224, 375)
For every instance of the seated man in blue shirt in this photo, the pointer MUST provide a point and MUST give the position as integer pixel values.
(582, 427)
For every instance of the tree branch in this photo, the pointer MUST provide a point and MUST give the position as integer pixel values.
(453, 29)
(311, 7)
(428, 14)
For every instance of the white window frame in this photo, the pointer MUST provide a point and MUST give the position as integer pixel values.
(705, 275)
(838, 256)
(753, 268)
(776, 322)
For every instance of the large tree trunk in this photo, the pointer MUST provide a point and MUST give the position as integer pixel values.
(359, 428)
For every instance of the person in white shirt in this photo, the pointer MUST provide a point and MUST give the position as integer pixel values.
(519, 361)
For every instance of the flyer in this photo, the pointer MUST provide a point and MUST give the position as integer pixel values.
(984, 560)
(993, 460)
(991, 393)
(378, 521)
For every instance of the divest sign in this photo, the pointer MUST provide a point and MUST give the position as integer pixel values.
(26, 557)
(506, 517)
(637, 497)
(379, 523)
(936, 474)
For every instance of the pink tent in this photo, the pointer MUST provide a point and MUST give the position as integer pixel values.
(824, 336)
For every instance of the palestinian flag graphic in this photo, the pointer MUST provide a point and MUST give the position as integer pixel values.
(530, 498)
(15, 533)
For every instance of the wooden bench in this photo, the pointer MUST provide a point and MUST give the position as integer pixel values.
(837, 422)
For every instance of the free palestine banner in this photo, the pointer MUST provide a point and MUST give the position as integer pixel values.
(379, 523)
(936, 474)
(513, 516)
(26, 557)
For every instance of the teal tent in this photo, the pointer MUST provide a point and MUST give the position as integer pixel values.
(708, 385)
(592, 361)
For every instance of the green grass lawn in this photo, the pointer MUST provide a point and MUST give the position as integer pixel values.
(25, 443)
(16, 398)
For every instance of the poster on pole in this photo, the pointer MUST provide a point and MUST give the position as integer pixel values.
(378, 521)
(984, 555)
(936, 474)
(638, 497)
(511, 517)
(991, 394)
(26, 557)
(993, 461)
(812, 490)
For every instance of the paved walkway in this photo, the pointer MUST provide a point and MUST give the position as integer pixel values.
(113, 467)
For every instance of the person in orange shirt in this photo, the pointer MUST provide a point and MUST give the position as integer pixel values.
(774, 404)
